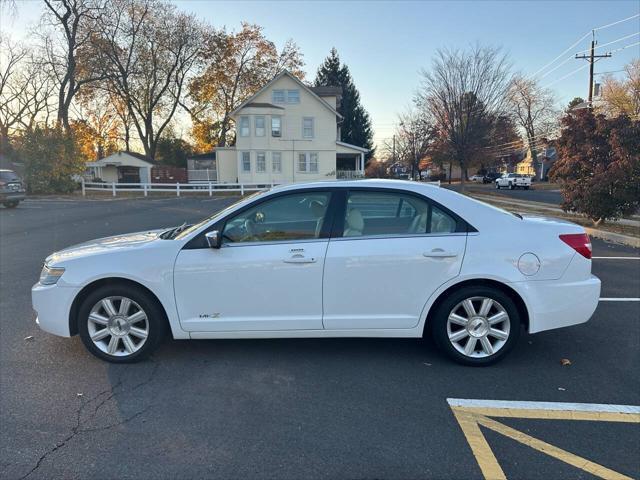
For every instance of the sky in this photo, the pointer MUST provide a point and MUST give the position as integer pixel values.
(386, 44)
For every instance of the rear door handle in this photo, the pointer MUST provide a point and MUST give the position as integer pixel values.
(299, 258)
(439, 253)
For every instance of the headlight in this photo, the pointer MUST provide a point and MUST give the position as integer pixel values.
(50, 275)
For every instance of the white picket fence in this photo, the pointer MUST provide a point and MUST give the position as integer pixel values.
(179, 188)
(209, 188)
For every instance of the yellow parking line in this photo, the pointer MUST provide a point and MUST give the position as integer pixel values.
(555, 452)
(471, 414)
(481, 450)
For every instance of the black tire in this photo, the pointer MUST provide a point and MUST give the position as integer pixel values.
(511, 186)
(497, 186)
(438, 327)
(155, 318)
(526, 188)
(11, 204)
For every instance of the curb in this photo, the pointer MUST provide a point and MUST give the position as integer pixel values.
(614, 237)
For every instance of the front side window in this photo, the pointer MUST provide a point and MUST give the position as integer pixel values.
(246, 161)
(278, 96)
(244, 126)
(261, 162)
(276, 162)
(298, 216)
(276, 126)
(260, 128)
(386, 213)
(293, 96)
(307, 127)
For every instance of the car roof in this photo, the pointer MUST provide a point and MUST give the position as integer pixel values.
(369, 182)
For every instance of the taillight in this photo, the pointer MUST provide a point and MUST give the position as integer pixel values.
(579, 242)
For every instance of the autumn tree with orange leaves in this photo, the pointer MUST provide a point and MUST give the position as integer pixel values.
(236, 65)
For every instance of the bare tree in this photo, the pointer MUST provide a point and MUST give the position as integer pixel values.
(24, 90)
(67, 30)
(462, 92)
(533, 108)
(413, 139)
(147, 49)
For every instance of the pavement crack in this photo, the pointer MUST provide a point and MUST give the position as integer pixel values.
(101, 398)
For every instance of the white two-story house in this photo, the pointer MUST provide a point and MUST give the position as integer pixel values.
(288, 132)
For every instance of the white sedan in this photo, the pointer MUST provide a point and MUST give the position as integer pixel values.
(365, 258)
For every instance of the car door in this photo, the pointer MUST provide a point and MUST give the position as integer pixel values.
(391, 252)
(266, 276)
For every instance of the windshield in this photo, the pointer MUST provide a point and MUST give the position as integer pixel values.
(185, 232)
(9, 176)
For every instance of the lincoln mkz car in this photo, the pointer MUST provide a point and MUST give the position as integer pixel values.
(368, 258)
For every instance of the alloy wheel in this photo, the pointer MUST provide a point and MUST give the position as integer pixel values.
(478, 327)
(118, 326)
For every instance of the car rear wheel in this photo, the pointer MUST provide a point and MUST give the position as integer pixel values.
(497, 186)
(12, 204)
(120, 324)
(476, 326)
(511, 186)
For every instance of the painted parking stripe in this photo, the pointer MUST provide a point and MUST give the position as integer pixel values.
(471, 414)
(620, 299)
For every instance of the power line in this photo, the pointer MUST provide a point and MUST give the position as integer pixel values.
(613, 41)
(617, 22)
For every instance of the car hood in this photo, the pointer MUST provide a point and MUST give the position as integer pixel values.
(107, 244)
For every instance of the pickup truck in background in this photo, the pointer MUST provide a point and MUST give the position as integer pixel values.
(513, 180)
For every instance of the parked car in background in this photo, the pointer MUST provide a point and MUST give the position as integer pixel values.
(368, 258)
(477, 178)
(12, 190)
(513, 180)
(491, 177)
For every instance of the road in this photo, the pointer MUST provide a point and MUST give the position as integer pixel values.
(534, 194)
(293, 408)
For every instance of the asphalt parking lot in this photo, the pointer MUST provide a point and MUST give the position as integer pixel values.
(305, 408)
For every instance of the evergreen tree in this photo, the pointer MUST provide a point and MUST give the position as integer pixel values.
(356, 126)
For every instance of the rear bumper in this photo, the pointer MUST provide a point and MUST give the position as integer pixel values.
(53, 304)
(555, 304)
(12, 196)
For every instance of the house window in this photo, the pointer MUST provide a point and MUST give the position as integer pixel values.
(293, 96)
(276, 126)
(276, 162)
(277, 96)
(313, 162)
(244, 126)
(261, 162)
(308, 162)
(307, 127)
(260, 128)
(246, 161)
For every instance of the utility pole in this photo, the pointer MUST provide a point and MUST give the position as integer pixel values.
(592, 58)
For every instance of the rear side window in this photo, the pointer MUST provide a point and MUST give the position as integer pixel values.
(387, 213)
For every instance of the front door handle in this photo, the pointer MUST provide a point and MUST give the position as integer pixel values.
(299, 258)
(439, 253)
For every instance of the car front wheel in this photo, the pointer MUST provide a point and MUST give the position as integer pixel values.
(476, 326)
(120, 324)
(497, 186)
(11, 204)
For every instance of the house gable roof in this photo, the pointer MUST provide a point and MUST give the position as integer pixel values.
(295, 79)
(137, 155)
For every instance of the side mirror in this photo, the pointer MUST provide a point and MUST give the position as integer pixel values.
(214, 239)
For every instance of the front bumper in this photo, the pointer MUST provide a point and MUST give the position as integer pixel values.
(53, 304)
(556, 304)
